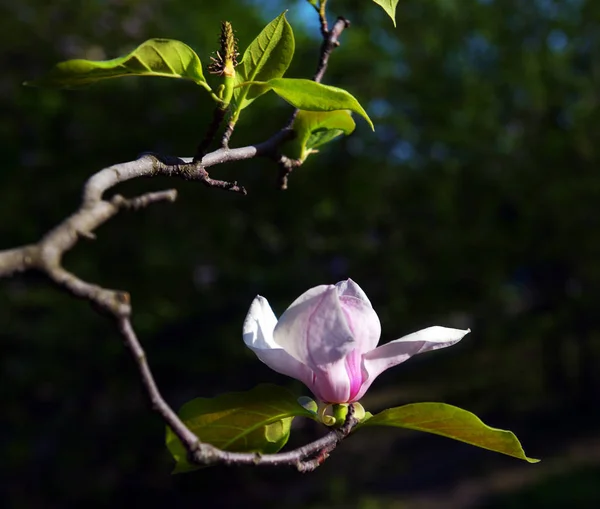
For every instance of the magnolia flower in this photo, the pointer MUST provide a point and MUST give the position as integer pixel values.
(328, 340)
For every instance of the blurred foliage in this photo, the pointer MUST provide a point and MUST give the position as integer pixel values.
(473, 204)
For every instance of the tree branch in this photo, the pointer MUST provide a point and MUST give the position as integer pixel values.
(305, 459)
(46, 256)
(188, 439)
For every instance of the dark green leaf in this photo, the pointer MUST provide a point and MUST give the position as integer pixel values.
(258, 420)
(267, 57)
(155, 57)
(388, 6)
(312, 96)
(452, 422)
(315, 128)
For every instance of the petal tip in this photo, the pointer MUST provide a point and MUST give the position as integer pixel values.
(259, 322)
(350, 288)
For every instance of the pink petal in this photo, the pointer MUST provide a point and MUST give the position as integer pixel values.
(258, 336)
(340, 381)
(314, 330)
(395, 352)
(355, 372)
(332, 384)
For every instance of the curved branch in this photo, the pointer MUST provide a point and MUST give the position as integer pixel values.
(46, 256)
(188, 439)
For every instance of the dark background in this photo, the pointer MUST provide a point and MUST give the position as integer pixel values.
(474, 204)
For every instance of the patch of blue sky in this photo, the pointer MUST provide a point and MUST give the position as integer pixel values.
(301, 14)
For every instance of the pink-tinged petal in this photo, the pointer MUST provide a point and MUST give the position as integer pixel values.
(350, 289)
(362, 321)
(258, 335)
(355, 373)
(332, 384)
(314, 329)
(340, 381)
(395, 352)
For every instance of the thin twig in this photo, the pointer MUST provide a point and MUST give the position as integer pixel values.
(227, 134)
(323, 18)
(144, 200)
(218, 116)
(330, 42)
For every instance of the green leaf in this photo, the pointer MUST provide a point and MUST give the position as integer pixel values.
(388, 6)
(312, 96)
(451, 422)
(315, 128)
(258, 420)
(155, 57)
(267, 57)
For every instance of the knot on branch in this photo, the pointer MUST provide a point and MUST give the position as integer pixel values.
(194, 170)
(204, 454)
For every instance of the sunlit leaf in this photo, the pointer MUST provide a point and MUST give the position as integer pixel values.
(388, 6)
(311, 96)
(258, 420)
(155, 57)
(267, 57)
(451, 422)
(315, 128)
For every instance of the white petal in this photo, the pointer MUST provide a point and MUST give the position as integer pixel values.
(314, 329)
(258, 336)
(395, 352)
(259, 324)
(351, 289)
